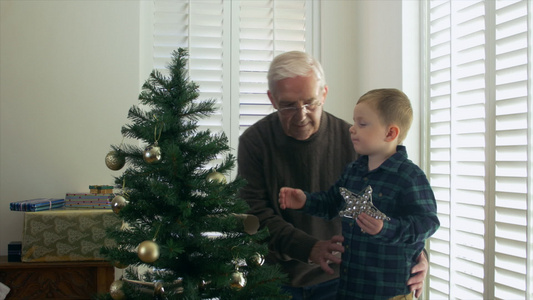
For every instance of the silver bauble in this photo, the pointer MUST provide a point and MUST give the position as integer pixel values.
(118, 203)
(159, 289)
(256, 260)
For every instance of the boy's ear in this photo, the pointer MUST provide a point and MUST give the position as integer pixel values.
(392, 133)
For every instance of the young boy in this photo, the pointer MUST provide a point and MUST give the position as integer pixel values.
(378, 255)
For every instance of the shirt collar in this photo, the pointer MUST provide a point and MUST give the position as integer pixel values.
(392, 164)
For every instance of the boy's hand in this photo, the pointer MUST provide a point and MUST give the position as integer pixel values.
(291, 198)
(368, 224)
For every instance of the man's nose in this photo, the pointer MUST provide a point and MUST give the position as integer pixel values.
(302, 113)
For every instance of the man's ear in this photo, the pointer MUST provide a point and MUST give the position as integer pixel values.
(324, 94)
(392, 133)
(272, 100)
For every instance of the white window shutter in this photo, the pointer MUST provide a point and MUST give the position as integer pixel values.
(197, 26)
(231, 44)
(266, 29)
(480, 150)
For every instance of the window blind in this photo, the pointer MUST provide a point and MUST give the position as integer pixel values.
(197, 26)
(231, 44)
(479, 148)
(266, 29)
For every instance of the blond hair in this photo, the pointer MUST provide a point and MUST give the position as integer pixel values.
(393, 107)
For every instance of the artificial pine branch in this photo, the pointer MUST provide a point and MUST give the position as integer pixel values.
(172, 203)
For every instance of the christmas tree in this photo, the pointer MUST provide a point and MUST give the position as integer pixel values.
(180, 216)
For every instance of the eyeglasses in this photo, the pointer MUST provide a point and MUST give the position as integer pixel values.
(289, 110)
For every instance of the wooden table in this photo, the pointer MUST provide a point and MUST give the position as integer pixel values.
(56, 280)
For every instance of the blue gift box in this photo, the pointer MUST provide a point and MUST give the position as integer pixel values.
(38, 204)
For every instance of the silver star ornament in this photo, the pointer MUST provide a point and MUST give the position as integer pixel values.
(356, 204)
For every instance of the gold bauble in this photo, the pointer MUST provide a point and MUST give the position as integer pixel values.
(216, 177)
(152, 154)
(116, 290)
(148, 251)
(118, 203)
(119, 265)
(237, 280)
(114, 160)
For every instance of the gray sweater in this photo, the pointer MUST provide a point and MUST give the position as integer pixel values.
(269, 160)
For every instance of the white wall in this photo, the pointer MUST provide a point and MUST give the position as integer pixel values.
(368, 44)
(70, 70)
(68, 75)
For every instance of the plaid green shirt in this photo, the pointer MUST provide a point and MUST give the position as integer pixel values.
(378, 267)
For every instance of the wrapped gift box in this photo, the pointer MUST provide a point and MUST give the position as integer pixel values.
(101, 189)
(14, 251)
(37, 204)
(66, 235)
(91, 200)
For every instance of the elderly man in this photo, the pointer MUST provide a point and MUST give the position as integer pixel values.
(304, 147)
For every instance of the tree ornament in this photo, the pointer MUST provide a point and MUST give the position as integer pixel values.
(119, 265)
(216, 177)
(203, 285)
(256, 260)
(152, 154)
(159, 289)
(116, 290)
(114, 160)
(148, 251)
(237, 280)
(157, 286)
(249, 223)
(174, 192)
(118, 203)
(356, 204)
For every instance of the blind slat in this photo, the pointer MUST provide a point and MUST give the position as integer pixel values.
(478, 76)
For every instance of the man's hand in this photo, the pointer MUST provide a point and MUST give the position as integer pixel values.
(322, 253)
(416, 283)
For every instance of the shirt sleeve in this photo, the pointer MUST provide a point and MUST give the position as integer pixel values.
(326, 204)
(419, 218)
